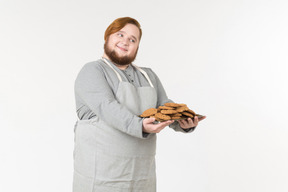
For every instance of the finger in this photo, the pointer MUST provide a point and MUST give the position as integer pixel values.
(200, 119)
(191, 122)
(149, 120)
(162, 125)
(183, 123)
(166, 123)
(195, 121)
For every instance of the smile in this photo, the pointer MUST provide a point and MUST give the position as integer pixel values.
(121, 48)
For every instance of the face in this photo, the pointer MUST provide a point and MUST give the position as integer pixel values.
(121, 47)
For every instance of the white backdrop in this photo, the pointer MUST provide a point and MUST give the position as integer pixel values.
(225, 59)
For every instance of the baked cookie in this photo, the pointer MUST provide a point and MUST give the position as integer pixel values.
(162, 116)
(182, 108)
(149, 112)
(172, 105)
(191, 111)
(176, 115)
(168, 111)
(166, 108)
(156, 119)
(187, 114)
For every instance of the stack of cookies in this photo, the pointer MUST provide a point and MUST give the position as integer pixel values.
(170, 111)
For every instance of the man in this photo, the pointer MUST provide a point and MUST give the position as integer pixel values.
(114, 147)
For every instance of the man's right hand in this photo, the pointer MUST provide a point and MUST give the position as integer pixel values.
(150, 127)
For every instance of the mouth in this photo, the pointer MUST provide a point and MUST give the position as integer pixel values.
(122, 48)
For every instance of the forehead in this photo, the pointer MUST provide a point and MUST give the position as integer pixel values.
(131, 30)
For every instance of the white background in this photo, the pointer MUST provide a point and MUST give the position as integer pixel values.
(225, 59)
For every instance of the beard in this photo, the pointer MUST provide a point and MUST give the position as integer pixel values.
(114, 57)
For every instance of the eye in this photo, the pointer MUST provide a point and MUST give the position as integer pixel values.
(120, 35)
(132, 40)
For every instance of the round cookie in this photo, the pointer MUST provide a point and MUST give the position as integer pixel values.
(149, 112)
(166, 108)
(176, 115)
(191, 111)
(168, 111)
(188, 114)
(172, 105)
(162, 116)
(182, 108)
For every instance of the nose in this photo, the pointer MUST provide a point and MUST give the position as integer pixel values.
(125, 41)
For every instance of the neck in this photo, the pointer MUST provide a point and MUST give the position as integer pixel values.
(122, 67)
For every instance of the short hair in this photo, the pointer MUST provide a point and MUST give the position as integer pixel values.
(119, 23)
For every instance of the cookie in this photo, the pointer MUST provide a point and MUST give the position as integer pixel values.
(172, 105)
(156, 119)
(165, 108)
(149, 112)
(176, 115)
(168, 111)
(162, 116)
(187, 114)
(181, 109)
(191, 111)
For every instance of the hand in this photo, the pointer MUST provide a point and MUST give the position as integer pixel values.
(189, 123)
(150, 127)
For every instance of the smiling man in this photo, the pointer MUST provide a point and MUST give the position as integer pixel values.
(114, 147)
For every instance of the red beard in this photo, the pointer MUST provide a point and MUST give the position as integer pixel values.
(115, 58)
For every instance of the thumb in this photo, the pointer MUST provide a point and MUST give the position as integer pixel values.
(150, 120)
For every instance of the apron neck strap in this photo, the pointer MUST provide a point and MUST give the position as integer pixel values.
(145, 74)
(119, 76)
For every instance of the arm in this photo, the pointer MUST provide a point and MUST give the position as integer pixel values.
(92, 88)
(185, 126)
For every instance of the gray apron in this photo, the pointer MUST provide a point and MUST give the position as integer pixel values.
(108, 160)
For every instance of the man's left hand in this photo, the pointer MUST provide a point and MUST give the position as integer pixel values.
(189, 123)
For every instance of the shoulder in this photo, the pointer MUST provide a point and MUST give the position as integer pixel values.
(92, 67)
(149, 71)
(98, 64)
(91, 70)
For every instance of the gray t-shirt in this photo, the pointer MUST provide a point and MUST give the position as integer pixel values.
(96, 86)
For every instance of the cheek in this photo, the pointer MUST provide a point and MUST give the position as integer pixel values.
(112, 42)
(134, 49)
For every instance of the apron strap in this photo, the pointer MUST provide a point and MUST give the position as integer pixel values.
(119, 76)
(145, 74)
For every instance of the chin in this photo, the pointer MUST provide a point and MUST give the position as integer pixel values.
(122, 55)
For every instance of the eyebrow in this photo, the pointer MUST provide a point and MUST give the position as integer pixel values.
(131, 35)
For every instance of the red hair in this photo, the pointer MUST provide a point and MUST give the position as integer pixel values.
(119, 23)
